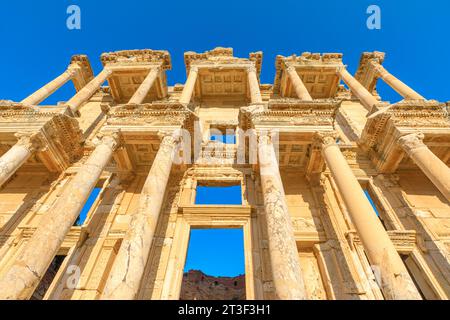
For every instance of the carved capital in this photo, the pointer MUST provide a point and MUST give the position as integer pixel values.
(73, 70)
(251, 69)
(324, 139)
(378, 69)
(193, 69)
(112, 139)
(412, 141)
(290, 68)
(33, 141)
(169, 138)
(267, 136)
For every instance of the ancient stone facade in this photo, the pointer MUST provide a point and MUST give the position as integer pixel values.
(344, 195)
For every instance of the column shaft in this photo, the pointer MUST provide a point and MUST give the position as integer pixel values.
(299, 86)
(84, 94)
(287, 274)
(126, 274)
(145, 87)
(15, 157)
(404, 90)
(30, 266)
(253, 84)
(189, 86)
(44, 92)
(436, 170)
(395, 281)
(366, 98)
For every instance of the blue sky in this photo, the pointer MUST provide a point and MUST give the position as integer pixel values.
(37, 46)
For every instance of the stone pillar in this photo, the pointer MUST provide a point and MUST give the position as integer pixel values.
(436, 170)
(189, 86)
(126, 274)
(299, 86)
(145, 87)
(84, 94)
(366, 98)
(30, 266)
(253, 84)
(405, 91)
(15, 157)
(394, 279)
(44, 92)
(287, 274)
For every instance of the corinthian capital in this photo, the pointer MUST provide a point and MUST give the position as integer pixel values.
(324, 139)
(169, 138)
(251, 68)
(412, 141)
(112, 139)
(33, 141)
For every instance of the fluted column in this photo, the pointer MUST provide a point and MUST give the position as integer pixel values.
(44, 92)
(84, 94)
(299, 86)
(128, 268)
(287, 274)
(366, 98)
(253, 84)
(30, 266)
(14, 158)
(395, 281)
(145, 87)
(189, 86)
(436, 170)
(404, 90)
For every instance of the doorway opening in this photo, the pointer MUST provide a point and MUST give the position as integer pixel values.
(215, 265)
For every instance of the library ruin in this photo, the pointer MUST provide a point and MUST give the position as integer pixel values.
(344, 195)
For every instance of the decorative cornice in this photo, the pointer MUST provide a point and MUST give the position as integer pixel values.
(133, 57)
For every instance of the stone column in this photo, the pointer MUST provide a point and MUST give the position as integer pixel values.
(366, 98)
(14, 158)
(287, 274)
(84, 94)
(126, 274)
(253, 84)
(436, 170)
(44, 92)
(189, 86)
(145, 87)
(299, 86)
(394, 279)
(30, 266)
(404, 90)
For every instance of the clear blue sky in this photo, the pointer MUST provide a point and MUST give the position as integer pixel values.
(37, 46)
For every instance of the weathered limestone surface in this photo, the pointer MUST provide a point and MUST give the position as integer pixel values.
(396, 84)
(394, 279)
(128, 269)
(366, 98)
(12, 160)
(437, 171)
(21, 279)
(84, 94)
(299, 86)
(142, 91)
(287, 275)
(254, 85)
(189, 86)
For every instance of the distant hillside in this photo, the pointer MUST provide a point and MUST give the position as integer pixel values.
(199, 286)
